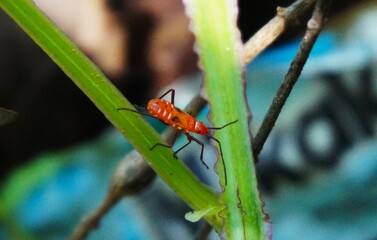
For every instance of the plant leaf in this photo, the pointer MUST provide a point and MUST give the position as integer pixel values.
(195, 216)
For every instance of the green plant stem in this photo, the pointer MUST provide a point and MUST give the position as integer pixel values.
(214, 24)
(107, 98)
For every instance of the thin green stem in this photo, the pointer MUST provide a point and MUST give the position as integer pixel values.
(214, 24)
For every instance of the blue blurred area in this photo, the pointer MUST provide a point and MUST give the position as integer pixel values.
(56, 204)
(279, 58)
(317, 173)
(318, 168)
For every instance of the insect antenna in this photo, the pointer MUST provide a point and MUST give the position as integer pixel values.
(218, 128)
(139, 110)
(172, 91)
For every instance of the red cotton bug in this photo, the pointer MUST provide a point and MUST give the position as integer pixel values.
(172, 116)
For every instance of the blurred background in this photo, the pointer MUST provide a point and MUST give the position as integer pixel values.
(317, 173)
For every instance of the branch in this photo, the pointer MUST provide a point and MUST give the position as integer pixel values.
(274, 28)
(314, 27)
(92, 221)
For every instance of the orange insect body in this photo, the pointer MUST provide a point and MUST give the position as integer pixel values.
(175, 117)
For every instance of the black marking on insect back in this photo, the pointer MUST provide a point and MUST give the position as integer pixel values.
(175, 119)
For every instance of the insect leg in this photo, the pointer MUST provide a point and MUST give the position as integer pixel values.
(175, 153)
(172, 95)
(190, 138)
(218, 128)
(167, 145)
(221, 153)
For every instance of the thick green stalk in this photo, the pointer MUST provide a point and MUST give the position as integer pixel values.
(218, 39)
(107, 98)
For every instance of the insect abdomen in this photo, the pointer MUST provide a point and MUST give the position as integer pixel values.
(175, 117)
(161, 109)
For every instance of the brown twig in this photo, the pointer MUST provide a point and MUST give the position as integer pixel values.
(92, 221)
(132, 175)
(274, 28)
(314, 27)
